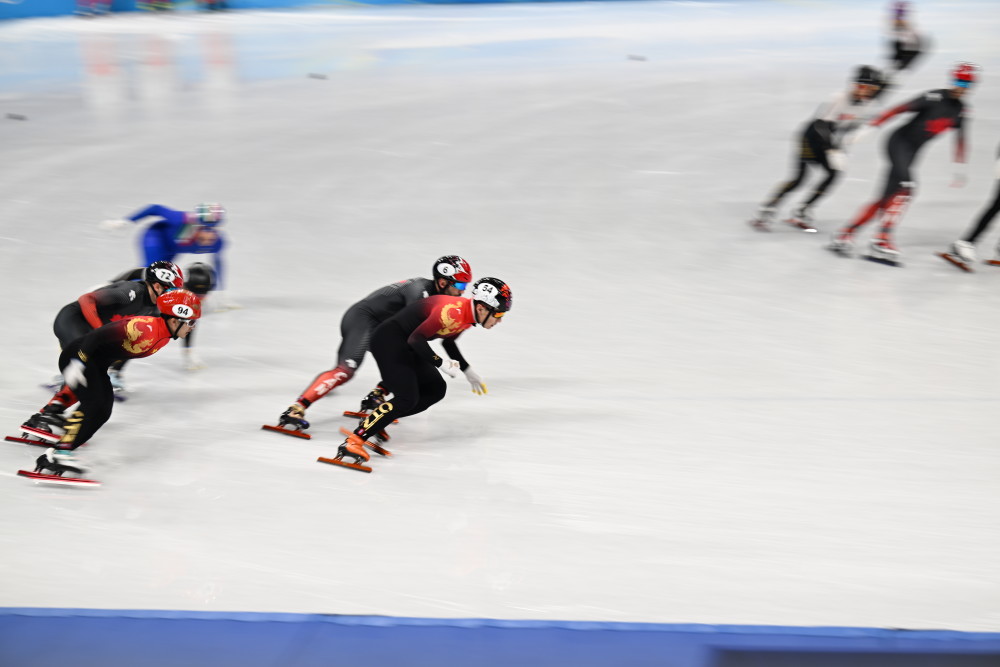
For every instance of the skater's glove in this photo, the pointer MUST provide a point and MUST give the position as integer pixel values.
(114, 224)
(837, 159)
(73, 374)
(450, 366)
(477, 382)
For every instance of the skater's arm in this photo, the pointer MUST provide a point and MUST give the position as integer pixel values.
(451, 347)
(159, 211)
(88, 306)
(915, 104)
(960, 176)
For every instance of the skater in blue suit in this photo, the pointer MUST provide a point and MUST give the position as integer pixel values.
(174, 232)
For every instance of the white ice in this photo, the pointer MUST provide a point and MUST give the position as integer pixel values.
(688, 421)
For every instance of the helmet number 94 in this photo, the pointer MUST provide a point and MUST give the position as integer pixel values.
(182, 311)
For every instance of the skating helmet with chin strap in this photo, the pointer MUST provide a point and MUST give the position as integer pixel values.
(179, 303)
(964, 75)
(162, 272)
(454, 269)
(210, 214)
(200, 278)
(868, 76)
(493, 293)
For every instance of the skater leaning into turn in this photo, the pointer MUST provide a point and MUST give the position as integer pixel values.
(451, 275)
(174, 232)
(820, 145)
(199, 278)
(410, 367)
(84, 363)
(121, 298)
(934, 112)
(964, 250)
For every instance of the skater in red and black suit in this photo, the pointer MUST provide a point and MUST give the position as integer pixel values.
(965, 249)
(935, 112)
(452, 275)
(84, 365)
(410, 367)
(120, 299)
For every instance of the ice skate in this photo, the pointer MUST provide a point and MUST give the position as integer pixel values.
(765, 216)
(842, 244)
(44, 427)
(353, 447)
(962, 255)
(375, 443)
(291, 422)
(54, 464)
(802, 219)
(118, 384)
(375, 398)
(883, 251)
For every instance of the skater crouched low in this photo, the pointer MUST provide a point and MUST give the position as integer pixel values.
(84, 364)
(408, 364)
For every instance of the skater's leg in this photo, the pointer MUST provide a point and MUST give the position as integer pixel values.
(986, 218)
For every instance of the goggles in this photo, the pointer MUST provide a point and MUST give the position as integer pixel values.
(460, 286)
(499, 313)
(962, 84)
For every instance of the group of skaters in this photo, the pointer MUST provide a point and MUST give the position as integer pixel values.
(848, 117)
(141, 310)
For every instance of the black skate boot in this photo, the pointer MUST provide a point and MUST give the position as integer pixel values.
(291, 422)
(58, 461)
(375, 398)
(47, 425)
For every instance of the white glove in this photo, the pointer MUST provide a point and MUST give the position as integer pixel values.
(111, 225)
(192, 362)
(477, 382)
(73, 374)
(837, 159)
(450, 367)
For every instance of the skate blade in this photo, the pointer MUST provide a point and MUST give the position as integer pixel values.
(759, 225)
(798, 224)
(355, 415)
(883, 260)
(951, 259)
(286, 431)
(27, 441)
(839, 252)
(51, 438)
(992, 262)
(42, 478)
(344, 464)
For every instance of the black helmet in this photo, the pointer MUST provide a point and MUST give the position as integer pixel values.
(200, 278)
(868, 75)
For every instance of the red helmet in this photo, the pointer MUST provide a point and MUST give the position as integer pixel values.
(964, 74)
(454, 268)
(179, 303)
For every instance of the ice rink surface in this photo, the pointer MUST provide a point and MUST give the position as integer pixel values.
(688, 421)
